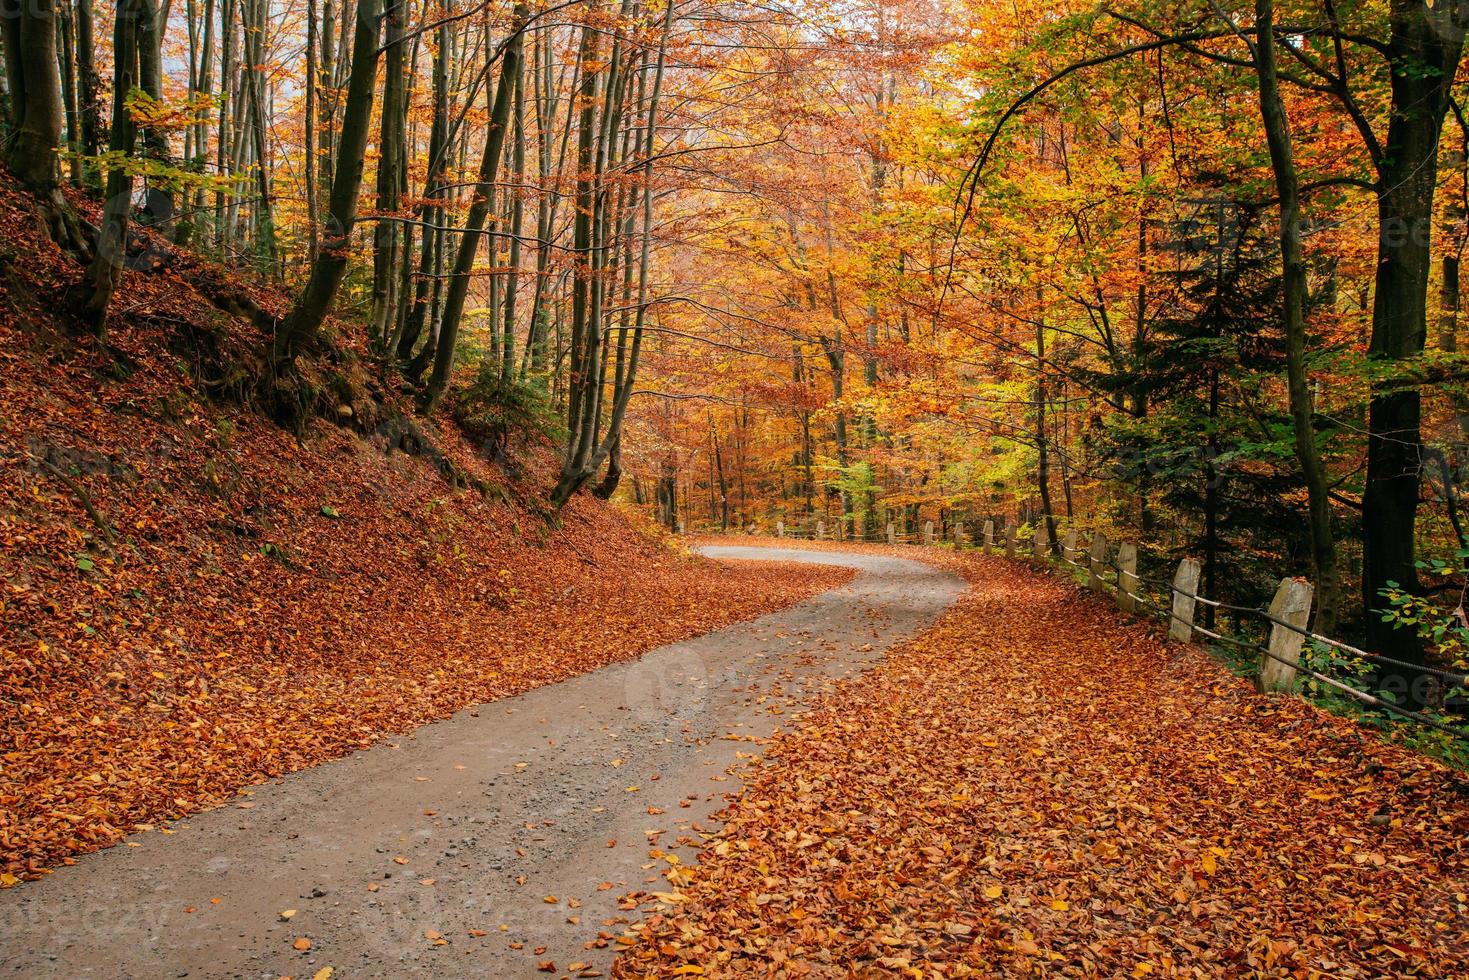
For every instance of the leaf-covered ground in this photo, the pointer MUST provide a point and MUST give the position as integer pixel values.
(1039, 786)
(268, 602)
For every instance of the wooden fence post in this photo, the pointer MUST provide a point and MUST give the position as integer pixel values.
(928, 533)
(1127, 577)
(1185, 591)
(1068, 544)
(820, 530)
(958, 536)
(1042, 542)
(1096, 561)
(780, 529)
(892, 535)
(1009, 539)
(989, 536)
(1292, 604)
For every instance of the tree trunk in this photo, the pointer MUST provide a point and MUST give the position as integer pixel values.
(301, 325)
(1042, 447)
(263, 211)
(158, 204)
(1425, 48)
(224, 134)
(35, 91)
(66, 50)
(392, 137)
(89, 92)
(517, 226)
(585, 453)
(328, 103)
(201, 83)
(479, 210)
(308, 132)
(1293, 266)
(94, 293)
(29, 32)
(432, 210)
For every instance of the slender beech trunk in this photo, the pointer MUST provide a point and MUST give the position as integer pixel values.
(586, 332)
(403, 290)
(308, 131)
(66, 49)
(224, 133)
(517, 226)
(550, 162)
(201, 84)
(89, 93)
(1042, 447)
(301, 325)
(582, 464)
(158, 205)
(94, 294)
(431, 211)
(479, 210)
(259, 117)
(1287, 185)
(327, 87)
(392, 135)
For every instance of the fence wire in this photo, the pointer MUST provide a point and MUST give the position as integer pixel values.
(1453, 678)
(1110, 575)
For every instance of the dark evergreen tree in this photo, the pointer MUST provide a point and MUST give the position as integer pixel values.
(1215, 449)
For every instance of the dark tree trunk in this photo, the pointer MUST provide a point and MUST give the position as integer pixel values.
(613, 476)
(35, 91)
(1425, 48)
(479, 211)
(29, 34)
(392, 153)
(66, 51)
(1042, 447)
(89, 92)
(93, 294)
(158, 208)
(300, 326)
(1293, 273)
(431, 212)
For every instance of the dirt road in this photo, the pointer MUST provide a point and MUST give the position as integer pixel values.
(491, 844)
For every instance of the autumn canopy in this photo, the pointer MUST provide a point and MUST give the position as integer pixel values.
(362, 361)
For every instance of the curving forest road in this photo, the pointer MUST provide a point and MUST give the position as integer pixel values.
(495, 844)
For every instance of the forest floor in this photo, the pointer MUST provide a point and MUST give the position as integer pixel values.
(1039, 785)
(515, 839)
(194, 599)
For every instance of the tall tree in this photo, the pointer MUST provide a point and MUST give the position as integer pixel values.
(1293, 321)
(93, 295)
(1424, 48)
(302, 324)
(479, 210)
(28, 30)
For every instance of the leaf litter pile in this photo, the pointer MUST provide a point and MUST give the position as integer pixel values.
(1038, 786)
(193, 600)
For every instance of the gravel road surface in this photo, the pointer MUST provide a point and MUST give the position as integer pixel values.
(497, 843)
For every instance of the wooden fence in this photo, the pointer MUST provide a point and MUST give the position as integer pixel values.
(1176, 603)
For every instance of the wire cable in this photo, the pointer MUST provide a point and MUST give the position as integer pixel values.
(1456, 679)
